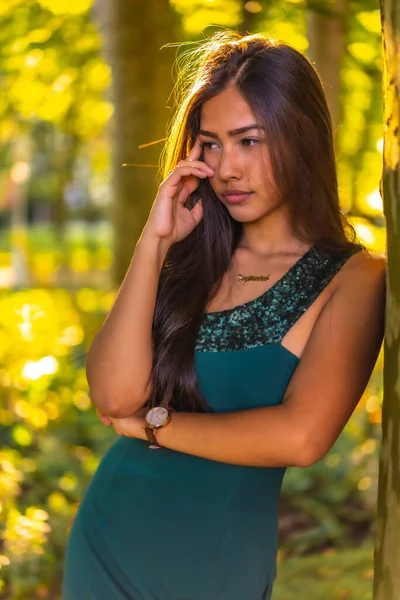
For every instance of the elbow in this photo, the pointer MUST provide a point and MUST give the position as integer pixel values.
(117, 403)
(306, 460)
(114, 399)
(308, 454)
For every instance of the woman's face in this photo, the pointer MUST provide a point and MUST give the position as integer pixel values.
(240, 159)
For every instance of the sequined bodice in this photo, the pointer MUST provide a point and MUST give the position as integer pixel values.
(267, 318)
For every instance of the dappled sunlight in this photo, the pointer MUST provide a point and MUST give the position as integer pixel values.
(57, 245)
(54, 435)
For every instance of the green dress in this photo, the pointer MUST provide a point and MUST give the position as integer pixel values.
(164, 525)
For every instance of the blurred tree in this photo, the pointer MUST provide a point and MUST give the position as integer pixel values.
(387, 550)
(327, 36)
(251, 14)
(134, 32)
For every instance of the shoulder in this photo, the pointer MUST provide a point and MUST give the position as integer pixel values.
(362, 275)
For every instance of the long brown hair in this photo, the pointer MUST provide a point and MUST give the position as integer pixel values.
(286, 96)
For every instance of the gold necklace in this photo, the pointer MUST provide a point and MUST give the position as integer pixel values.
(246, 278)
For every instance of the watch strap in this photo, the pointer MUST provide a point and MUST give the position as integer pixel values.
(151, 437)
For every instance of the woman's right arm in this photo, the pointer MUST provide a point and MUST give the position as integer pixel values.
(120, 358)
(119, 361)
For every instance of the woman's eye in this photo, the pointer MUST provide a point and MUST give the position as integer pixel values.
(250, 140)
(207, 145)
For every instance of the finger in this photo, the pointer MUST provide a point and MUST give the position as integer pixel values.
(184, 170)
(195, 151)
(189, 186)
(196, 163)
(106, 420)
(197, 211)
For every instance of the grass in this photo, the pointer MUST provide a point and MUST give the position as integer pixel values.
(331, 575)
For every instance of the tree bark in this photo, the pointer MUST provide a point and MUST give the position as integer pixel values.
(134, 31)
(387, 547)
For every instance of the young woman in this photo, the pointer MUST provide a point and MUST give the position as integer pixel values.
(242, 338)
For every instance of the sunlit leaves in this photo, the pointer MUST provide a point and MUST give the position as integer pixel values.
(44, 78)
(197, 15)
(67, 482)
(354, 121)
(52, 70)
(25, 533)
(97, 74)
(373, 237)
(289, 32)
(285, 21)
(81, 400)
(370, 20)
(43, 389)
(36, 321)
(62, 7)
(363, 51)
(10, 477)
(39, 36)
(57, 502)
(22, 435)
(361, 123)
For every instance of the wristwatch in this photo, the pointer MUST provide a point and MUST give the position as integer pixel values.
(157, 417)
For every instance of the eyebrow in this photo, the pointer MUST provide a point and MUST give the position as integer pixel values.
(233, 132)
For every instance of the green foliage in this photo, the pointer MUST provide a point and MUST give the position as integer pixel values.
(53, 97)
(199, 14)
(50, 437)
(361, 128)
(42, 77)
(53, 72)
(51, 442)
(332, 575)
(84, 254)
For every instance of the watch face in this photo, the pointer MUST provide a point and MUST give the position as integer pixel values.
(156, 416)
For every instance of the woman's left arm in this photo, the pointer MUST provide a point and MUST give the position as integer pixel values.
(325, 388)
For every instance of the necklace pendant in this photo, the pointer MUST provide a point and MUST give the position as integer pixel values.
(246, 278)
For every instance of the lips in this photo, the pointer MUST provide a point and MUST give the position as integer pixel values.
(236, 196)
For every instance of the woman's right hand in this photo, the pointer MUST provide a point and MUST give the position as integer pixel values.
(169, 219)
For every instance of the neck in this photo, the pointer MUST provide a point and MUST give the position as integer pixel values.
(270, 235)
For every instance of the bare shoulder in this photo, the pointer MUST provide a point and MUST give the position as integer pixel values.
(365, 261)
(364, 272)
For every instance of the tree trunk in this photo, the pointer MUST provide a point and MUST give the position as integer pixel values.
(134, 31)
(387, 548)
(250, 19)
(20, 173)
(64, 158)
(327, 36)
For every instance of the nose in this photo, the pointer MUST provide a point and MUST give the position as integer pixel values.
(229, 165)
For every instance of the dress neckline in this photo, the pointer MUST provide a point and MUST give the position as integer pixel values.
(277, 284)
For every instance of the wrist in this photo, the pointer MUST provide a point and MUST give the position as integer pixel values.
(154, 245)
(156, 419)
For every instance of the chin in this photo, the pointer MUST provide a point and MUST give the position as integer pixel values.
(246, 214)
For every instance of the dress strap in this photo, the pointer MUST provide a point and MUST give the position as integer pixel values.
(269, 317)
(310, 279)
